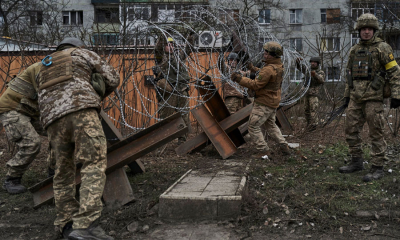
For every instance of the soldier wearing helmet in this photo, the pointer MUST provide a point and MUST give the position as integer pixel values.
(69, 106)
(371, 65)
(267, 86)
(173, 86)
(19, 114)
(317, 79)
(233, 98)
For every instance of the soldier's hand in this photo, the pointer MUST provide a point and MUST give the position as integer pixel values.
(236, 77)
(346, 101)
(298, 60)
(313, 74)
(395, 103)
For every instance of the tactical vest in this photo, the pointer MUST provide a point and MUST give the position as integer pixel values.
(361, 68)
(61, 69)
(275, 85)
(23, 87)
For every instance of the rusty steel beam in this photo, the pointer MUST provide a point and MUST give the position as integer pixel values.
(123, 152)
(214, 131)
(282, 121)
(228, 124)
(113, 136)
(217, 107)
(118, 190)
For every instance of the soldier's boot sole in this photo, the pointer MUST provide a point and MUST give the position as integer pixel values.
(21, 189)
(378, 174)
(350, 168)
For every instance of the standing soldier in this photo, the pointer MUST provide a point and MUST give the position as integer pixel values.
(71, 84)
(369, 62)
(233, 98)
(18, 110)
(311, 99)
(268, 95)
(173, 80)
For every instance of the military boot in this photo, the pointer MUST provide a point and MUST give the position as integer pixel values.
(13, 185)
(355, 165)
(50, 172)
(93, 233)
(67, 229)
(375, 173)
(284, 148)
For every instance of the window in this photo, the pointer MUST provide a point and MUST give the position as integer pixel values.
(105, 39)
(357, 9)
(296, 16)
(264, 40)
(295, 75)
(394, 41)
(73, 18)
(110, 15)
(354, 39)
(36, 18)
(330, 44)
(140, 12)
(296, 44)
(323, 15)
(388, 11)
(332, 74)
(264, 16)
(166, 13)
(333, 15)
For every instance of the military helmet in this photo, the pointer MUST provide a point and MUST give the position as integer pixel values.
(233, 56)
(72, 41)
(367, 20)
(170, 39)
(273, 48)
(316, 59)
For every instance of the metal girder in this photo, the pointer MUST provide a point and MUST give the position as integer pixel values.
(281, 120)
(228, 124)
(123, 153)
(217, 107)
(214, 131)
(113, 136)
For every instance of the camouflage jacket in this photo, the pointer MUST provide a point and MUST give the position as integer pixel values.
(382, 62)
(77, 93)
(173, 66)
(268, 84)
(16, 98)
(316, 82)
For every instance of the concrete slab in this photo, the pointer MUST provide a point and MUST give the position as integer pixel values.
(211, 194)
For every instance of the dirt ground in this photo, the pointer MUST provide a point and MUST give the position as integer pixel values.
(298, 197)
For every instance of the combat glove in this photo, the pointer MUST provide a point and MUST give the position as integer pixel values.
(313, 74)
(98, 84)
(346, 102)
(236, 77)
(395, 103)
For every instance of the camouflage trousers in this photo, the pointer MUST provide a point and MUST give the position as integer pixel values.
(356, 116)
(78, 137)
(263, 115)
(310, 109)
(233, 104)
(170, 103)
(20, 131)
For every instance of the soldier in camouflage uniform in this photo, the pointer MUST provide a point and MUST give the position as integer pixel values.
(369, 62)
(173, 87)
(311, 99)
(19, 113)
(69, 105)
(268, 95)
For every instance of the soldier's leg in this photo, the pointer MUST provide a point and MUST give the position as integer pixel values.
(182, 103)
(376, 124)
(60, 135)
(91, 151)
(19, 130)
(313, 100)
(167, 106)
(355, 119)
(307, 107)
(258, 118)
(274, 132)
